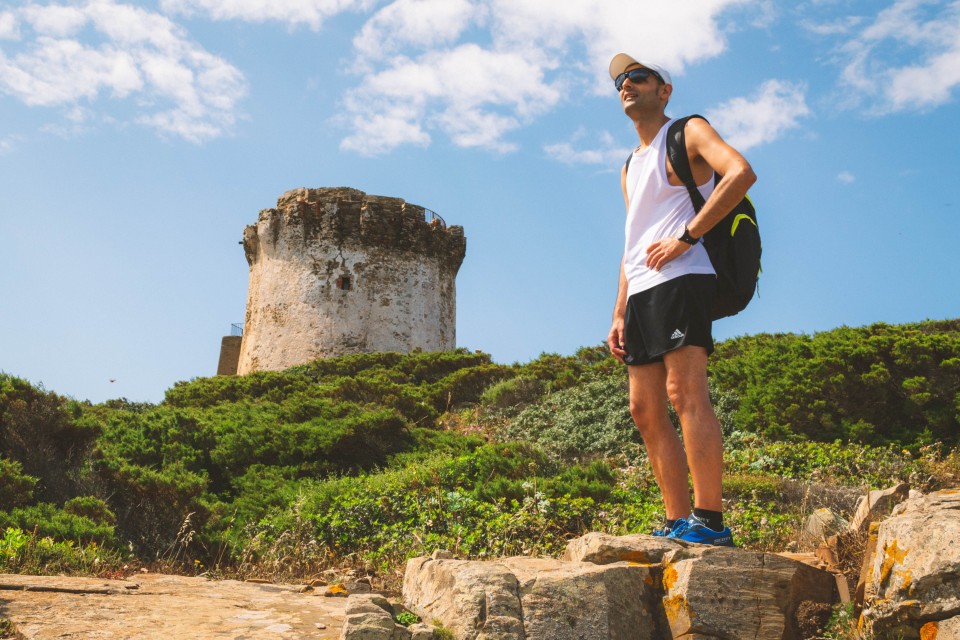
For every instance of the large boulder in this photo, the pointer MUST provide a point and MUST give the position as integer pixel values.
(580, 600)
(733, 594)
(877, 505)
(534, 599)
(820, 525)
(475, 600)
(611, 588)
(370, 617)
(915, 571)
(603, 548)
(700, 585)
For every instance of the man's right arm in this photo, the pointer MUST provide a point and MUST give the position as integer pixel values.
(615, 337)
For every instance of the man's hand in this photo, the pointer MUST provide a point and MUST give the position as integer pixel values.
(663, 251)
(615, 339)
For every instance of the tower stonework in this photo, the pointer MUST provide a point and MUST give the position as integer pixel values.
(335, 271)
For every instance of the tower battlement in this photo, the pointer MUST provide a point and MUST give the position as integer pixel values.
(345, 216)
(335, 271)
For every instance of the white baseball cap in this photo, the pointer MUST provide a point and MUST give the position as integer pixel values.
(621, 61)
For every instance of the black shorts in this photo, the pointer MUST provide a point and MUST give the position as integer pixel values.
(673, 314)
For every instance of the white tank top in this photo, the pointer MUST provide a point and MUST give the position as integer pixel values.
(657, 210)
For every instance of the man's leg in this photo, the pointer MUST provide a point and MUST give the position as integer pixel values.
(686, 385)
(648, 406)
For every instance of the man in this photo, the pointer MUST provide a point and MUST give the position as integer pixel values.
(661, 323)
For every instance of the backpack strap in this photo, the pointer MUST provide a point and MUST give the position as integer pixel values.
(677, 153)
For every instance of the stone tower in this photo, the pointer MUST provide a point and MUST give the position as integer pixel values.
(336, 271)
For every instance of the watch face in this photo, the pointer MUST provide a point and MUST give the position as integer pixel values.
(684, 236)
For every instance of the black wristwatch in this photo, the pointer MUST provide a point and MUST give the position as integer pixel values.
(684, 236)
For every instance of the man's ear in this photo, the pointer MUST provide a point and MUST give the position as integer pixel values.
(666, 91)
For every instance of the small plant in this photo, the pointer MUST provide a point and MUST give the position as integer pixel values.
(11, 543)
(406, 618)
(7, 630)
(22, 552)
(843, 624)
(440, 632)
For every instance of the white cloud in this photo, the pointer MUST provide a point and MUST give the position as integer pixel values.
(776, 107)
(606, 151)
(54, 20)
(417, 24)
(293, 12)
(846, 177)
(473, 95)
(840, 26)
(393, 129)
(523, 58)
(9, 29)
(72, 55)
(876, 66)
(8, 144)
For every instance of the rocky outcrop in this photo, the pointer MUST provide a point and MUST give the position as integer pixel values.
(701, 586)
(618, 588)
(914, 573)
(534, 598)
(640, 587)
(877, 505)
(818, 526)
(370, 617)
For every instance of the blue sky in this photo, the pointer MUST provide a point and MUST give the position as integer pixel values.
(137, 140)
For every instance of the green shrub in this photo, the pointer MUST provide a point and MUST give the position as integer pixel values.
(46, 520)
(592, 420)
(34, 553)
(882, 384)
(94, 509)
(16, 488)
(40, 431)
(465, 385)
(513, 394)
(588, 421)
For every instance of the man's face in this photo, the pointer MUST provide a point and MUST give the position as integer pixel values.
(640, 93)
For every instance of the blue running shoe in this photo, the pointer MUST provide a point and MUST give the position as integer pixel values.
(665, 531)
(693, 529)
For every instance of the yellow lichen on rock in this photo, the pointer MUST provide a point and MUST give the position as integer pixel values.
(677, 608)
(892, 556)
(669, 577)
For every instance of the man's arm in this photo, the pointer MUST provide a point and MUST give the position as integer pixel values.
(707, 150)
(615, 337)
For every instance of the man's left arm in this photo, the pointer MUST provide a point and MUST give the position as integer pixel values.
(707, 150)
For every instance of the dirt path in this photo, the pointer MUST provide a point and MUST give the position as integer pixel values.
(168, 607)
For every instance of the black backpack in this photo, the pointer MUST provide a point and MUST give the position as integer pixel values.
(733, 244)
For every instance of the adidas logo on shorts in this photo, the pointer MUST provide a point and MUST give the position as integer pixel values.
(677, 334)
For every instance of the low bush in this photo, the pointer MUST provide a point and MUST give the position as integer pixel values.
(16, 488)
(46, 520)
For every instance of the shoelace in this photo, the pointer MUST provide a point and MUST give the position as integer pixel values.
(682, 525)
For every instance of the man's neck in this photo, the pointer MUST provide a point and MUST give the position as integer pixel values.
(649, 127)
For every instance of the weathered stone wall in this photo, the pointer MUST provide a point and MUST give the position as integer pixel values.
(229, 355)
(336, 271)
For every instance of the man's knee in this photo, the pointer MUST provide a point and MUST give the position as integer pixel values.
(650, 417)
(688, 396)
(641, 413)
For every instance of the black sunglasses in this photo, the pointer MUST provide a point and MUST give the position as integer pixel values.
(636, 76)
